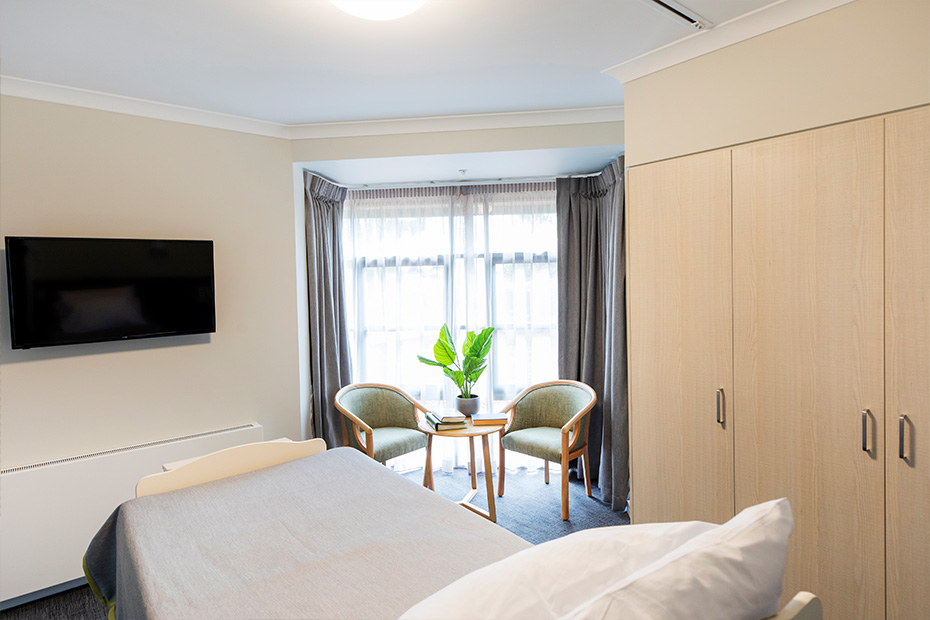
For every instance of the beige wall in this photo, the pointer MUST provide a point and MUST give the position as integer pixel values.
(76, 172)
(861, 59)
(72, 171)
(472, 141)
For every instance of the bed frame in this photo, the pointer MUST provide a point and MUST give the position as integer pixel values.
(252, 456)
(804, 606)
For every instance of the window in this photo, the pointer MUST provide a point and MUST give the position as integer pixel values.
(467, 256)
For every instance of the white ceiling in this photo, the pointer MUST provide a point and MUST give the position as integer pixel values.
(304, 62)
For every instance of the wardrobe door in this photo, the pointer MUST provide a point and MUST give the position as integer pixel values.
(680, 337)
(808, 354)
(907, 363)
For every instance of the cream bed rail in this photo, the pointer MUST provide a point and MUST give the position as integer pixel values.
(229, 462)
(804, 606)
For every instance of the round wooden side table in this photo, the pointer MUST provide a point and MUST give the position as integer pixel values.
(471, 431)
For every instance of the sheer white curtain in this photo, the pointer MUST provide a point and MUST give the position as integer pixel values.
(472, 256)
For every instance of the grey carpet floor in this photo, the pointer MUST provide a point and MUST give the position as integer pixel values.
(529, 508)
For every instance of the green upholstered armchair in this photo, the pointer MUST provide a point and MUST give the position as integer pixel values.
(380, 420)
(550, 421)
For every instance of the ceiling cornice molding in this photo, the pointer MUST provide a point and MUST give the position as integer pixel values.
(458, 122)
(30, 89)
(82, 98)
(755, 23)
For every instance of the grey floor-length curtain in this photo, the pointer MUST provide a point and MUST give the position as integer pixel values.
(592, 316)
(330, 365)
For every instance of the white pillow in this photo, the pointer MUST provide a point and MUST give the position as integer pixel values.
(704, 567)
(734, 571)
(555, 577)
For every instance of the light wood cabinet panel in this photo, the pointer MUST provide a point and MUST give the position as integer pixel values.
(808, 353)
(907, 362)
(680, 338)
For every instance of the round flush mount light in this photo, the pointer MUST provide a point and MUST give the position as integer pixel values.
(378, 10)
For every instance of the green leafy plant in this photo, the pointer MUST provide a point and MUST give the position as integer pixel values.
(464, 372)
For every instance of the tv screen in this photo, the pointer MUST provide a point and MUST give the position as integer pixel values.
(77, 290)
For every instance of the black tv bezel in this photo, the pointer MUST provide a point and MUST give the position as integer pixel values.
(123, 338)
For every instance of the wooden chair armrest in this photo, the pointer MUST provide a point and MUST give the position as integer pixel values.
(568, 426)
(569, 433)
(357, 424)
(367, 443)
(354, 419)
(573, 423)
(419, 407)
(417, 417)
(575, 418)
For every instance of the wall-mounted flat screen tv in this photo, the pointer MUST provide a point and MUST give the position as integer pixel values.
(68, 290)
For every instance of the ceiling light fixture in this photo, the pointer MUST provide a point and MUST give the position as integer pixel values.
(378, 10)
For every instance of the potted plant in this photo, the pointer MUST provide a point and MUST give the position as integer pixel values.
(465, 371)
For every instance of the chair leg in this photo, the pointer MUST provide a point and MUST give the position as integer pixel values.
(500, 469)
(564, 487)
(585, 462)
(546, 470)
(428, 466)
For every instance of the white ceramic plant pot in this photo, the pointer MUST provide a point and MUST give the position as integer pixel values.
(468, 406)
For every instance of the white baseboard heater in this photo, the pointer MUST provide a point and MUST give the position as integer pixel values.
(50, 511)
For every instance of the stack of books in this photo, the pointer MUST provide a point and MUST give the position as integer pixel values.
(489, 419)
(446, 420)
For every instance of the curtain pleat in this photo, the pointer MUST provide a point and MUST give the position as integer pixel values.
(330, 363)
(592, 316)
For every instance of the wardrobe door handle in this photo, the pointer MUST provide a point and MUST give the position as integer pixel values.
(720, 405)
(865, 430)
(902, 425)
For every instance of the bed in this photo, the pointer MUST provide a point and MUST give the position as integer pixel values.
(292, 530)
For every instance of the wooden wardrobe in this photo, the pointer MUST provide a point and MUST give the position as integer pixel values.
(779, 338)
